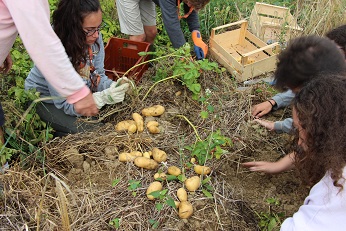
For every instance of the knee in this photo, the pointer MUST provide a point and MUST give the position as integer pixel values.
(151, 32)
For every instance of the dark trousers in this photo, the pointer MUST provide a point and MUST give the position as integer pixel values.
(62, 123)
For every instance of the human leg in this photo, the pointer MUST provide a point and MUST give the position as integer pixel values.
(62, 123)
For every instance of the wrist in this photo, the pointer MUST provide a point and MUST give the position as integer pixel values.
(272, 103)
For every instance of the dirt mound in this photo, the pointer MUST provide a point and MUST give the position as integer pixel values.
(79, 184)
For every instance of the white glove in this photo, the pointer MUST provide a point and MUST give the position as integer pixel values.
(111, 95)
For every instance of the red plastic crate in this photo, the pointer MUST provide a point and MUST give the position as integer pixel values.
(119, 58)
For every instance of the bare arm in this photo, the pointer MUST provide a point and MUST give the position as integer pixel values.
(284, 164)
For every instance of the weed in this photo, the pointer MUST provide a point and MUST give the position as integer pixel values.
(115, 223)
(270, 220)
(211, 147)
(133, 186)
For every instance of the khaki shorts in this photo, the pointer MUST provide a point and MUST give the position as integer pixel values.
(135, 14)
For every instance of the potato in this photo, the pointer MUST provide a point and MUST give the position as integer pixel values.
(146, 155)
(132, 128)
(139, 121)
(159, 155)
(193, 183)
(185, 210)
(155, 186)
(156, 110)
(153, 127)
(177, 203)
(124, 125)
(202, 170)
(182, 194)
(161, 175)
(173, 170)
(136, 153)
(146, 163)
(126, 157)
(193, 160)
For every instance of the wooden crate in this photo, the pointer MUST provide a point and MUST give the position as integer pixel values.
(242, 53)
(273, 23)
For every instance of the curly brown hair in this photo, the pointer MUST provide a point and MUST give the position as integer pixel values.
(321, 109)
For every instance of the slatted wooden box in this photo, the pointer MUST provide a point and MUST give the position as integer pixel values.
(243, 54)
(273, 23)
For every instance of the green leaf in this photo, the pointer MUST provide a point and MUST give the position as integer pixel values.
(171, 177)
(115, 182)
(207, 193)
(155, 194)
(170, 202)
(159, 206)
(204, 114)
(206, 180)
(115, 223)
(210, 108)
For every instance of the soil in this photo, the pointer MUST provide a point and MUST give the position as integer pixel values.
(81, 185)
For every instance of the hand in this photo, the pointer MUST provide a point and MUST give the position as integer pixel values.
(113, 94)
(7, 65)
(263, 166)
(266, 123)
(86, 106)
(201, 49)
(284, 164)
(262, 109)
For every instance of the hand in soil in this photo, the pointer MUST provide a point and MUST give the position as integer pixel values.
(263, 166)
(261, 109)
(266, 123)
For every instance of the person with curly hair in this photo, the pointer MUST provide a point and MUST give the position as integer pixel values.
(319, 120)
(305, 57)
(303, 60)
(77, 23)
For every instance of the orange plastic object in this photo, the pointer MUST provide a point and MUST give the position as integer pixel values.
(119, 58)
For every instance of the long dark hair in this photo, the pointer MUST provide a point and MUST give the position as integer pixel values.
(321, 110)
(67, 23)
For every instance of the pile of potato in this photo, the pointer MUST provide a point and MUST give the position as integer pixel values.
(150, 160)
(137, 124)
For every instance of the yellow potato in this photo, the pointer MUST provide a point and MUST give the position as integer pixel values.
(155, 186)
(193, 183)
(146, 155)
(202, 170)
(173, 170)
(124, 125)
(182, 194)
(177, 203)
(132, 128)
(136, 153)
(139, 121)
(153, 130)
(126, 157)
(156, 110)
(159, 155)
(153, 127)
(146, 163)
(185, 209)
(161, 175)
(193, 160)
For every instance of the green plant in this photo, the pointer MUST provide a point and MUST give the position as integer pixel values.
(211, 147)
(133, 186)
(115, 223)
(207, 189)
(271, 219)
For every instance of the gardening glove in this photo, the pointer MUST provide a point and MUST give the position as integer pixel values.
(201, 49)
(114, 94)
